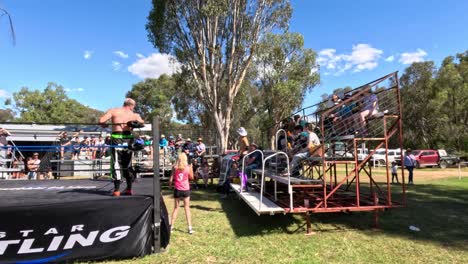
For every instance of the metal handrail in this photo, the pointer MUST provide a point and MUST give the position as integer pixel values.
(276, 138)
(263, 178)
(243, 165)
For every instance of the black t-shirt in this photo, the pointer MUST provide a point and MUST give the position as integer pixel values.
(258, 158)
(65, 140)
(76, 145)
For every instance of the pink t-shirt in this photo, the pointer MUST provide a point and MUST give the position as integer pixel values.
(181, 179)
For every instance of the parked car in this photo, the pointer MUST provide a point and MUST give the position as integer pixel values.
(378, 158)
(430, 157)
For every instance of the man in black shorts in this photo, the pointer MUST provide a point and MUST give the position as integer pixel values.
(123, 121)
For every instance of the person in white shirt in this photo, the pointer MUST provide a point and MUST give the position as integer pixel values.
(394, 172)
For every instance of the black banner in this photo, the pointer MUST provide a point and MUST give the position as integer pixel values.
(81, 230)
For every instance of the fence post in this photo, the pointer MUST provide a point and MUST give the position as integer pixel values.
(156, 188)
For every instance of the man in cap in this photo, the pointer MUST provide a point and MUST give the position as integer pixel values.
(124, 120)
(200, 150)
(163, 142)
(254, 160)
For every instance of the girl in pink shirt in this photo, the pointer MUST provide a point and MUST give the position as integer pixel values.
(182, 173)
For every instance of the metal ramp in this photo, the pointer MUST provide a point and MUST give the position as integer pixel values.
(252, 198)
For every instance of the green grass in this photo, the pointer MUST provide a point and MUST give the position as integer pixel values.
(227, 231)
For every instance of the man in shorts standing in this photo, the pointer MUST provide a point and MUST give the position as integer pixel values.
(123, 121)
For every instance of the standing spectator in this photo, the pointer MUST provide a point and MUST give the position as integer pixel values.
(182, 174)
(16, 174)
(65, 143)
(85, 146)
(243, 141)
(200, 151)
(409, 164)
(3, 142)
(204, 172)
(99, 147)
(33, 166)
(93, 147)
(107, 143)
(394, 172)
(76, 148)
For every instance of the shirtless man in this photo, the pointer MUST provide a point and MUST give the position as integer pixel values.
(122, 136)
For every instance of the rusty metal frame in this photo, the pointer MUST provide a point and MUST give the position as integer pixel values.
(337, 196)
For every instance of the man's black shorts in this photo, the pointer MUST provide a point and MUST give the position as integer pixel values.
(181, 194)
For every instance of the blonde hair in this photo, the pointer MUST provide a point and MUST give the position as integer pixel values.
(182, 161)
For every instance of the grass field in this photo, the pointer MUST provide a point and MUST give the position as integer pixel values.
(228, 231)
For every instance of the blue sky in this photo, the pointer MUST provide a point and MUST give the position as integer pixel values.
(98, 49)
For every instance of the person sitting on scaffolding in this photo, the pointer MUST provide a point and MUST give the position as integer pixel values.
(370, 107)
(171, 143)
(253, 161)
(233, 173)
(309, 145)
(163, 143)
(330, 122)
(299, 140)
(179, 142)
(200, 150)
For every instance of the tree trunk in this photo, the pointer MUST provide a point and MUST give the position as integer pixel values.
(222, 121)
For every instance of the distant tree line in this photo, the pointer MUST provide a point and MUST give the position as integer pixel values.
(435, 104)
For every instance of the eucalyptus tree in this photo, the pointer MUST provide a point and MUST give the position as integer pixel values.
(216, 42)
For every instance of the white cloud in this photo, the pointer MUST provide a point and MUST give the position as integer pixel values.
(390, 58)
(362, 57)
(140, 56)
(154, 66)
(116, 65)
(88, 54)
(74, 90)
(410, 57)
(4, 94)
(121, 54)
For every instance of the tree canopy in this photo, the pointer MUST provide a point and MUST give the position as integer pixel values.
(215, 41)
(435, 104)
(153, 97)
(286, 71)
(52, 105)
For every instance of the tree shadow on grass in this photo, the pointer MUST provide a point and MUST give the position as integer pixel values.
(439, 211)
